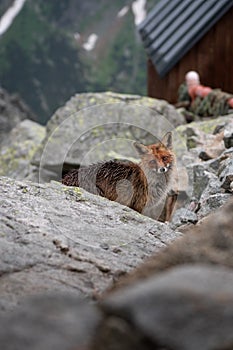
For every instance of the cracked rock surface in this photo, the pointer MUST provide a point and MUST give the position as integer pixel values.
(57, 238)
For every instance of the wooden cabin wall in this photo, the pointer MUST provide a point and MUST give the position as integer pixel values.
(212, 57)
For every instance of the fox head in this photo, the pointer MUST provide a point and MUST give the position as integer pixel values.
(157, 157)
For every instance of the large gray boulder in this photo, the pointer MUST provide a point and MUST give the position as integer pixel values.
(91, 125)
(18, 148)
(210, 241)
(60, 321)
(186, 308)
(179, 299)
(58, 238)
(73, 245)
(12, 111)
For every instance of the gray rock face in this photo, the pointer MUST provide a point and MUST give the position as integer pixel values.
(212, 203)
(180, 310)
(53, 321)
(57, 238)
(226, 173)
(90, 125)
(61, 244)
(209, 178)
(210, 241)
(200, 178)
(183, 216)
(228, 135)
(178, 298)
(12, 111)
(18, 148)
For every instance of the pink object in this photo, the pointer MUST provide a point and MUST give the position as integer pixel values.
(196, 89)
(230, 102)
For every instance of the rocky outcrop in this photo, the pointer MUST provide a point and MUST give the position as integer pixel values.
(61, 321)
(96, 126)
(91, 125)
(208, 242)
(18, 148)
(68, 258)
(177, 300)
(179, 309)
(205, 170)
(12, 111)
(178, 297)
(58, 238)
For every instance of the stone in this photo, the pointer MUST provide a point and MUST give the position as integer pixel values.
(92, 125)
(12, 111)
(228, 135)
(180, 309)
(179, 296)
(226, 174)
(212, 146)
(214, 164)
(219, 128)
(62, 247)
(183, 216)
(53, 238)
(210, 241)
(199, 178)
(195, 137)
(211, 203)
(207, 135)
(198, 132)
(60, 321)
(18, 148)
(213, 188)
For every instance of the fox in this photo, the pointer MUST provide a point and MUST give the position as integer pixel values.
(138, 186)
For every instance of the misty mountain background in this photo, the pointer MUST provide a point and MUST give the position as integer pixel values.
(45, 57)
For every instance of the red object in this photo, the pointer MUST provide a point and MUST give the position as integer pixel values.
(203, 91)
(230, 102)
(198, 90)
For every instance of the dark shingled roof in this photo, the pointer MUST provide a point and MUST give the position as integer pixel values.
(173, 27)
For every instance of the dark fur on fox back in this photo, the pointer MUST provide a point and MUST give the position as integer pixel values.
(118, 180)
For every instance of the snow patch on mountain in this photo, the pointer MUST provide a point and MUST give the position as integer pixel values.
(139, 11)
(123, 12)
(89, 45)
(7, 19)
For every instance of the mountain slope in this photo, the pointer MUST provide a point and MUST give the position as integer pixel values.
(44, 55)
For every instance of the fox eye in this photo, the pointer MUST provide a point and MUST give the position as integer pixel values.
(164, 158)
(153, 162)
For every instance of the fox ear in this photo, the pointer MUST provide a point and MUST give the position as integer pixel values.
(167, 140)
(141, 149)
